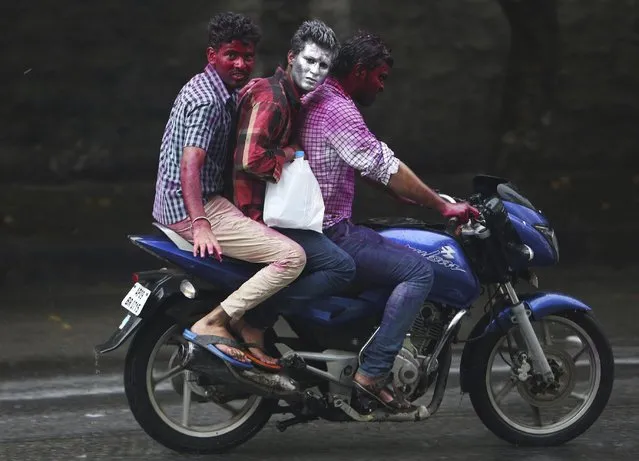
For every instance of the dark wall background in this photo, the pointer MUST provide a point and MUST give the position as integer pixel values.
(544, 91)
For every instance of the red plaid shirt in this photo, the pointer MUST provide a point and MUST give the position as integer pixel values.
(266, 112)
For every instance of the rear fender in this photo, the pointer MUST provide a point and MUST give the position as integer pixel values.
(540, 306)
(165, 297)
(129, 324)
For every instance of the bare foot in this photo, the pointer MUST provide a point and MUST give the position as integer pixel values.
(254, 335)
(204, 327)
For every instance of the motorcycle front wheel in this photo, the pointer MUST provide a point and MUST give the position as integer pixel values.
(519, 408)
(173, 406)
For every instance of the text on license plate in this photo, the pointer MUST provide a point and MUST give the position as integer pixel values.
(136, 298)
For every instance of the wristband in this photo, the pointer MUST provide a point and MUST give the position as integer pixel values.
(201, 217)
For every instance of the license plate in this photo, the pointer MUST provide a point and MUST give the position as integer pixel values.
(136, 298)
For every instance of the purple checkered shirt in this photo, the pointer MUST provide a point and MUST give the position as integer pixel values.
(337, 142)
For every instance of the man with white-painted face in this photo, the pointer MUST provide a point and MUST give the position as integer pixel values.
(268, 109)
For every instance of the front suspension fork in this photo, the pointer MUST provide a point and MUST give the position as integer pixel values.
(535, 352)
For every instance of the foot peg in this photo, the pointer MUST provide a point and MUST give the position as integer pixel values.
(364, 404)
(285, 424)
(293, 362)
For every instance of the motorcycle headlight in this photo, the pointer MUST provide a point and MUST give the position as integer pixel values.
(550, 236)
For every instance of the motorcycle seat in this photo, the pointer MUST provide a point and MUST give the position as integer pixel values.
(179, 241)
(357, 299)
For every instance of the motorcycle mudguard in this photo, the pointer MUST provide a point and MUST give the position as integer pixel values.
(165, 296)
(129, 324)
(540, 306)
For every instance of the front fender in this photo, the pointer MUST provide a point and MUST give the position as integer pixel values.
(540, 306)
(543, 304)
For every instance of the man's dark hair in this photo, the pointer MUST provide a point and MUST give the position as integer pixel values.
(317, 32)
(229, 26)
(362, 48)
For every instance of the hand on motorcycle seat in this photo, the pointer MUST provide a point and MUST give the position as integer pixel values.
(204, 240)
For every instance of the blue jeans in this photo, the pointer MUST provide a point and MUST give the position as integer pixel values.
(380, 261)
(328, 270)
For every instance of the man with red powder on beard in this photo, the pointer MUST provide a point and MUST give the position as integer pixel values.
(339, 144)
(194, 153)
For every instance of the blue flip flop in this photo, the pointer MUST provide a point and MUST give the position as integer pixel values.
(208, 341)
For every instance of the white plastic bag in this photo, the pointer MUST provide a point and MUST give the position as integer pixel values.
(295, 201)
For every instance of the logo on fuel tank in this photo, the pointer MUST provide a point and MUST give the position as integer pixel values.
(447, 252)
(443, 256)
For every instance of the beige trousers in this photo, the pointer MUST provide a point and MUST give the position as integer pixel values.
(242, 238)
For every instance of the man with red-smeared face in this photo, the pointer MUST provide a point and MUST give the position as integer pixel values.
(233, 62)
(339, 144)
(371, 84)
(195, 151)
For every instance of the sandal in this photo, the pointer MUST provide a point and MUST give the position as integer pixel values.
(266, 366)
(208, 342)
(238, 327)
(374, 391)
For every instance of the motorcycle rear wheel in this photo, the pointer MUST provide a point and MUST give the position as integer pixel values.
(144, 387)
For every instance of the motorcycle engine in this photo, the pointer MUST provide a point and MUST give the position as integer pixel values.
(406, 371)
(424, 334)
(427, 329)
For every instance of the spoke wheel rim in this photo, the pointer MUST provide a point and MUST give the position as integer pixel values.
(579, 411)
(201, 431)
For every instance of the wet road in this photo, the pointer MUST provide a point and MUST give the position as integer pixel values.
(46, 416)
(67, 418)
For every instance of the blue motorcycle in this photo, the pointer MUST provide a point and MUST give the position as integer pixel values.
(537, 366)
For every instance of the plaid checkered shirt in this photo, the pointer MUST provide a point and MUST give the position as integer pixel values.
(337, 142)
(267, 110)
(202, 116)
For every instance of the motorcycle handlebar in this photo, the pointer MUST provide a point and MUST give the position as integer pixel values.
(474, 227)
(451, 226)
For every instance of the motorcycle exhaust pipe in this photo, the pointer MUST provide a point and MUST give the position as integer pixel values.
(267, 384)
(199, 361)
(255, 381)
